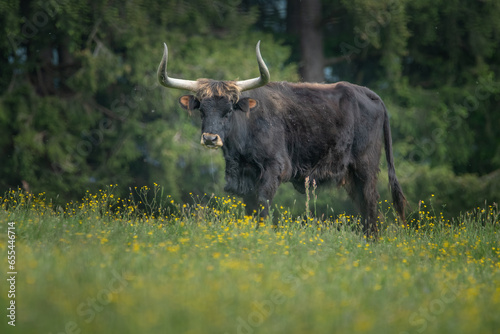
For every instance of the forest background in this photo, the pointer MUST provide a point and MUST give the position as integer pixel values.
(81, 108)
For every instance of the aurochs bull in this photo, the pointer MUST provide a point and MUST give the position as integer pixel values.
(275, 132)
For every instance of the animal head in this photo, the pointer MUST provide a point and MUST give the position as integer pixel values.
(217, 101)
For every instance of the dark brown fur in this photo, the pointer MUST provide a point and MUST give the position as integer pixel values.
(327, 132)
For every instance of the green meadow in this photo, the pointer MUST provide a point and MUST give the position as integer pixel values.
(146, 264)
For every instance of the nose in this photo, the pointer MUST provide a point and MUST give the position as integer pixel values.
(211, 140)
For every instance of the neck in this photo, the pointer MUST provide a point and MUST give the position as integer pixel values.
(238, 139)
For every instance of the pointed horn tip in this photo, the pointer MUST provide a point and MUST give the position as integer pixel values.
(165, 81)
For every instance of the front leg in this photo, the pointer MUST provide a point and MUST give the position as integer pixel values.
(254, 205)
(260, 200)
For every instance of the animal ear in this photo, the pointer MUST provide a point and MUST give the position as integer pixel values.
(189, 102)
(246, 104)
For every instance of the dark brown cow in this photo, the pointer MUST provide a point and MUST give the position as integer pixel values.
(275, 132)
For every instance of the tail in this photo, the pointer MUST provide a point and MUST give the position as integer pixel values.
(398, 198)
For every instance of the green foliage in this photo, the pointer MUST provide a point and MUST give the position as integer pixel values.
(433, 64)
(382, 25)
(81, 107)
(104, 119)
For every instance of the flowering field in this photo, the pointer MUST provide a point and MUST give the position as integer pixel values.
(113, 265)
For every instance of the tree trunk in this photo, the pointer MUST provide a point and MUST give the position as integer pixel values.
(311, 41)
(292, 17)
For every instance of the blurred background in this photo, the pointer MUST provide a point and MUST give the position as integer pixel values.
(80, 106)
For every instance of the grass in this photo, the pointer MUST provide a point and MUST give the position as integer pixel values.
(113, 265)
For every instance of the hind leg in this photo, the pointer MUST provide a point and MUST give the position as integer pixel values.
(362, 188)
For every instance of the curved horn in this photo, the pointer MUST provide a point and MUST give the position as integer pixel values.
(171, 82)
(256, 82)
